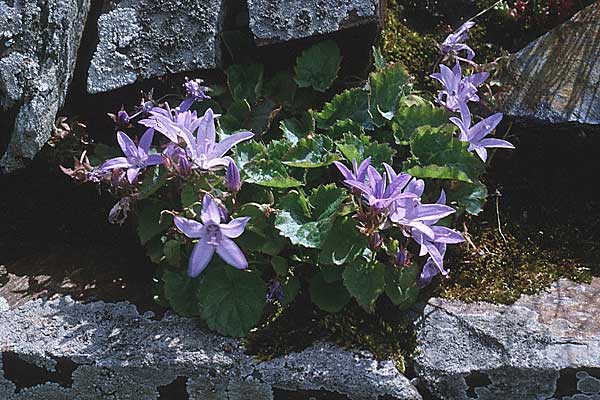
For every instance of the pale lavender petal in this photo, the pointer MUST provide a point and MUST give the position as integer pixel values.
(423, 228)
(437, 76)
(163, 125)
(206, 129)
(430, 270)
(484, 127)
(447, 235)
(201, 256)
(154, 159)
(146, 140)
(416, 187)
(436, 256)
(226, 144)
(491, 142)
(129, 148)
(448, 78)
(442, 198)
(189, 227)
(118, 162)
(478, 79)
(433, 212)
(235, 227)
(132, 173)
(465, 116)
(231, 253)
(348, 175)
(481, 152)
(361, 173)
(216, 162)
(186, 104)
(210, 211)
(390, 172)
(358, 185)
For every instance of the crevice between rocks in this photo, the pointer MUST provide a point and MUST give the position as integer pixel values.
(26, 375)
(174, 390)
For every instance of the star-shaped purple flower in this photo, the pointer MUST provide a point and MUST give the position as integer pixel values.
(458, 90)
(358, 173)
(214, 236)
(381, 191)
(455, 42)
(136, 157)
(476, 134)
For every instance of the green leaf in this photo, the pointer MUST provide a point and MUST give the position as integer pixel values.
(312, 153)
(295, 129)
(291, 289)
(365, 282)
(150, 223)
(359, 148)
(350, 104)
(331, 297)
(269, 173)
(317, 66)
(245, 81)
(378, 59)
(411, 117)
(295, 220)
(281, 87)
(235, 118)
(470, 197)
(280, 265)
(189, 195)
(261, 117)
(231, 300)
(172, 251)
(331, 273)
(401, 285)
(345, 126)
(153, 182)
(244, 152)
(387, 86)
(154, 249)
(260, 234)
(180, 291)
(437, 147)
(338, 251)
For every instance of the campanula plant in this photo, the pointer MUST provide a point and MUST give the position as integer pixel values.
(268, 199)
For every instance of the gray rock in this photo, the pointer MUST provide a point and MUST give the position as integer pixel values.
(555, 79)
(282, 20)
(142, 39)
(117, 353)
(3, 304)
(38, 50)
(523, 351)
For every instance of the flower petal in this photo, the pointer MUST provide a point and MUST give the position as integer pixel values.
(146, 141)
(499, 143)
(433, 212)
(127, 146)
(447, 235)
(132, 173)
(206, 135)
(201, 256)
(484, 127)
(189, 227)
(235, 227)
(113, 163)
(226, 144)
(154, 159)
(231, 253)
(348, 175)
(210, 211)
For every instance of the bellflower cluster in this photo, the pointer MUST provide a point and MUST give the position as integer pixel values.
(397, 197)
(459, 90)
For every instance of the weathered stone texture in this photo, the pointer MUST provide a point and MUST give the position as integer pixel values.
(118, 354)
(556, 79)
(38, 49)
(142, 39)
(521, 351)
(282, 20)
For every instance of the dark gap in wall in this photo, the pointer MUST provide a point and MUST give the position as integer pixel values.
(176, 390)
(567, 383)
(8, 117)
(476, 380)
(280, 394)
(25, 375)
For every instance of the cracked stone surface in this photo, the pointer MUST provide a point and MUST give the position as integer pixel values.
(543, 346)
(38, 50)
(282, 20)
(108, 350)
(555, 79)
(142, 39)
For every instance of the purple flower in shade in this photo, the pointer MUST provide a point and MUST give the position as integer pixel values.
(121, 119)
(455, 42)
(458, 90)
(276, 291)
(436, 246)
(175, 159)
(358, 173)
(213, 236)
(232, 177)
(171, 122)
(204, 151)
(136, 157)
(403, 257)
(194, 92)
(381, 191)
(476, 135)
(430, 270)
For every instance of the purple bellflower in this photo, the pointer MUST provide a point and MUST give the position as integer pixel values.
(171, 122)
(204, 151)
(136, 157)
(379, 191)
(458, 90)
(436, 246)
(358, 173)
(213, 236)
(194, 92)
(232, 177)
(476, 134)
(175, 159)
(455, 42)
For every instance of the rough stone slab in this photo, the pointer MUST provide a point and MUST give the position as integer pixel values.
(274, 21)
(111, 352)
(38, 50)
(142, 39)
(543, 346)
(556, 79)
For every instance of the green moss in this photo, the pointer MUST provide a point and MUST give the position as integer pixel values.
(500, 270)
(385, 334)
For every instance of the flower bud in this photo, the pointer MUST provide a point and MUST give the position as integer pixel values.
(232, 177)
